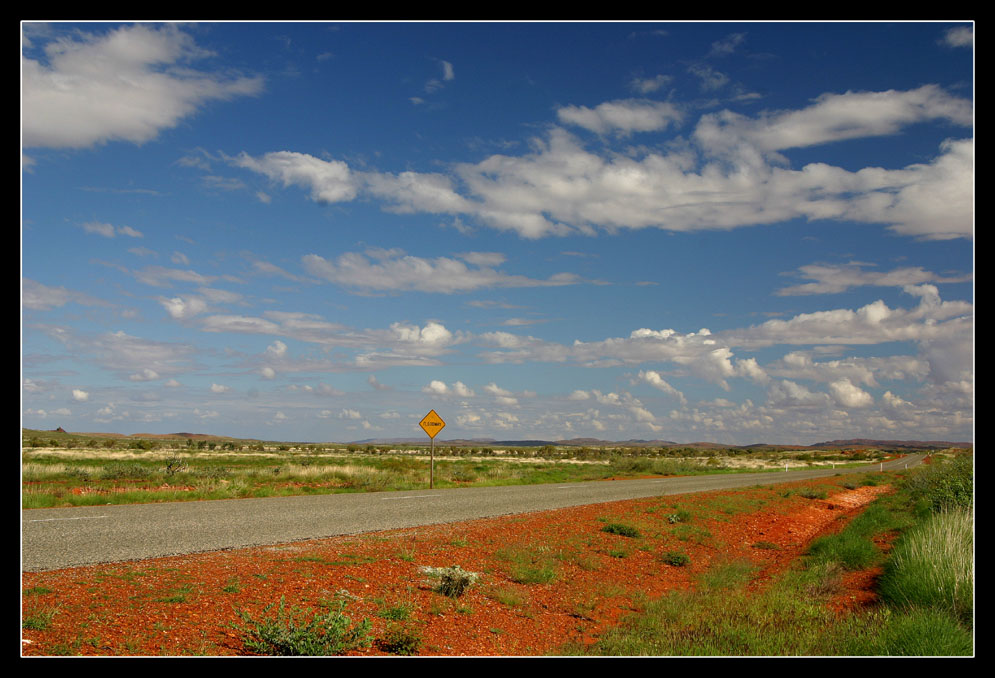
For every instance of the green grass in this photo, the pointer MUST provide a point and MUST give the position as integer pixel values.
(507, 595)
(530, 564)
(38, 621)
(932, 566)
(927, 592)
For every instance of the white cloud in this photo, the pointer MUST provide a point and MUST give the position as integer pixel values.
(126, 354)
(128, 84)
(788, 394)
(106, 230)
(833, 279)
(80, 395)
(833, 117)
(372, 381)
(436, 387)
(648, 85)
(727, 45)
(37, 296)
(277, 349)
(656, 381)
(462, 390)
(622, 117)
(849, 395)
(731, 174)
(220, 388)
(959, 37)
(328, 181)
(180, 307)
(145, 374)
(396, 271)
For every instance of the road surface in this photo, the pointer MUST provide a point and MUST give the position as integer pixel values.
(70, 537)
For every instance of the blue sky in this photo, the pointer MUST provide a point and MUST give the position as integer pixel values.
(727, 232)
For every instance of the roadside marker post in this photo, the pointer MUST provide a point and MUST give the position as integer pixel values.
(432, 423)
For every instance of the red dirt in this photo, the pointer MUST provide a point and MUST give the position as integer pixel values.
(186, 604)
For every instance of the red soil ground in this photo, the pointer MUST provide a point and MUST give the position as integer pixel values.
(187, 604)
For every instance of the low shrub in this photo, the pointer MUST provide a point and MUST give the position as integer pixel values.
(291, 633)
(451, 581)
(621, 529)
(676, 558)
(401, 639)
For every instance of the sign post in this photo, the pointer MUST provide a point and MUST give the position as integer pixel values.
(432, 424)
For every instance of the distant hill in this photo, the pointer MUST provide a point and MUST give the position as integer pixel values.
(851, 443)
(901, 444)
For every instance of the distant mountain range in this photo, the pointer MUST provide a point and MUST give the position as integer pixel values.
(572, 442)
(595, 442)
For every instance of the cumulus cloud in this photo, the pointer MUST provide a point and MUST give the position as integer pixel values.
(462, 390)
(80, 395)
(128, 84)
(183, 307)
(436, 387)
(277, 349)
(849, 395)
(873, 323)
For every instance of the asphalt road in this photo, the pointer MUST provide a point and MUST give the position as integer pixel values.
(59, 538)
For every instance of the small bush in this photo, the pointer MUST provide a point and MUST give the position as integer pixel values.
(621, 529)
(292, 634)
(452, 581)
(942, 486)
(401, 639)
(813, 493)
(676, 558)
(681, 516)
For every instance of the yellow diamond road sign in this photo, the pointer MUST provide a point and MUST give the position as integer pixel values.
(432, 424)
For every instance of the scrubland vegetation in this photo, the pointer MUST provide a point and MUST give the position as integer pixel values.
(926, 588)
(60, 469)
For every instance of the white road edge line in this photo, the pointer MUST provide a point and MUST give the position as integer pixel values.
(45, 520)
(413, 496)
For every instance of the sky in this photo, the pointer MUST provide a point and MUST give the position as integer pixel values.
(740, 233)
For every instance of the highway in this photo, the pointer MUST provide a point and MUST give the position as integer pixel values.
(70, 537)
